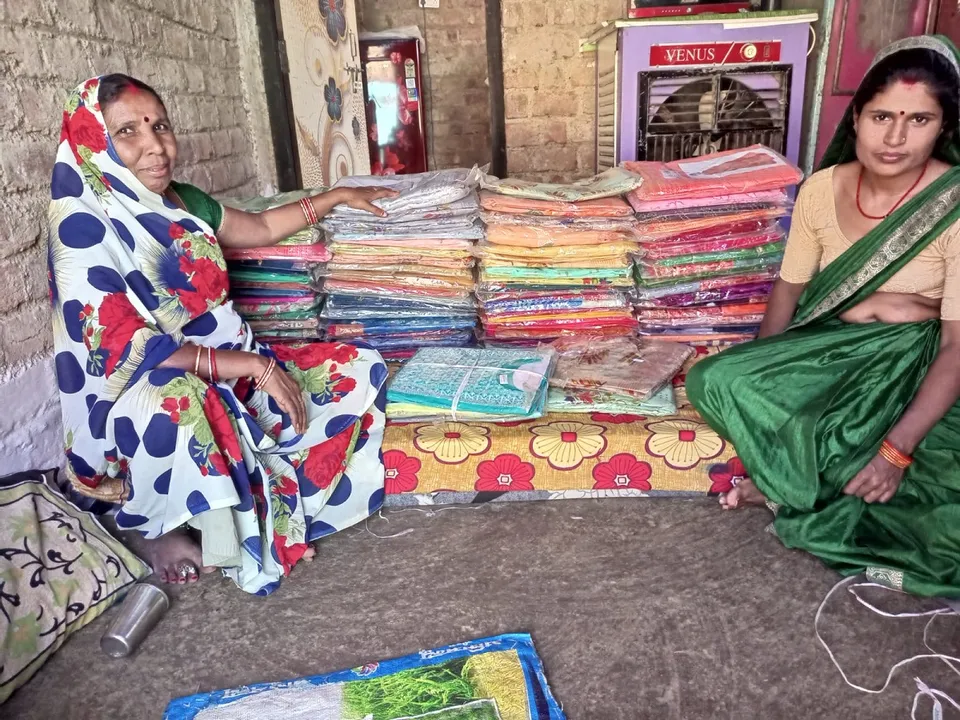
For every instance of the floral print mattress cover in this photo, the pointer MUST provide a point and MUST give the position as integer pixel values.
(560, 456)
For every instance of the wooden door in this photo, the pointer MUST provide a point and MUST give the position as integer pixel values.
(860, 29)
(320, 53)
(948, 20)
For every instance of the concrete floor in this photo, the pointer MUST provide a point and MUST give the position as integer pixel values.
(662, 609)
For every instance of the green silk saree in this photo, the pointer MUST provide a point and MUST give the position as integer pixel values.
(809, 408)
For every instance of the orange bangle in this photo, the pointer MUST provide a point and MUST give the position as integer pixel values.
(893, 456)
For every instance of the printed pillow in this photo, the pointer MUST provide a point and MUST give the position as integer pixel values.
(59, 571)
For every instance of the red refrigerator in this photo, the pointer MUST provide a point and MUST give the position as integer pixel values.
(394, 105)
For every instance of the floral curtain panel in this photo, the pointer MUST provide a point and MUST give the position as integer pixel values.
(326, 89)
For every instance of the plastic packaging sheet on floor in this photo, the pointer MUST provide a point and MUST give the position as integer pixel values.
(497, 678)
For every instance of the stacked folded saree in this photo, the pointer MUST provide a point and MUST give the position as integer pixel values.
(405, 281)
(621, 375)
(711, 243)
(551, 268)
(276, 288)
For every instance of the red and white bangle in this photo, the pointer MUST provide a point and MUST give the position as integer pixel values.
(309, 212)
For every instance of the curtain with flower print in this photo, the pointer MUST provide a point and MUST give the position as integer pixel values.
(326, 89)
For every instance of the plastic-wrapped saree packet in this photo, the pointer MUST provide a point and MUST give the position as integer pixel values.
(658, 251)
(622, 366)
(752, 169)
(663, 402)
(611, 207)
(462, 384)
(610, 183)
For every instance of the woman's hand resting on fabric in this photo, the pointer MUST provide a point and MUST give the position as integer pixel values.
(877, 482)
(362, 198)
(287, 394)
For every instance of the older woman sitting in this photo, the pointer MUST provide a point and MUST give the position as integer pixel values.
(171, 408)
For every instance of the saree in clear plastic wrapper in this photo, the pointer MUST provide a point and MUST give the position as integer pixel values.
(626, 367)
(485, 383)
(809, 408)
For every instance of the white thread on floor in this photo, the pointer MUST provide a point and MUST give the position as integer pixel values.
(922, 688)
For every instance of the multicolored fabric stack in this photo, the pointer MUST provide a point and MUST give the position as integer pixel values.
(711, 243)
(276, 288)
(405, 281)
(556, 260)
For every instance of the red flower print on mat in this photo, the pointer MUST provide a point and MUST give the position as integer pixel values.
(224, 436)
(504, 472)
(723, 477)
(120, 321)
(400, 472)
(616, 418)
(316, 354)
(85, 130)
(622, 471)
(175, 406)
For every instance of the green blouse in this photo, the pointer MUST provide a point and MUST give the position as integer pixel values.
(197, 202)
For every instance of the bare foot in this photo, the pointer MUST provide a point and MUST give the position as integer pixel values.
(175, 557)
(309, 553)
(744, 493)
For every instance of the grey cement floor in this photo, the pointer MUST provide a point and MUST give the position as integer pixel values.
(640, 609)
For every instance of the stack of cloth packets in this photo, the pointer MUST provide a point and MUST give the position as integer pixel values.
(277, 289)
(471, 385)
(711, 243)
(623, 375)
(557, 259)
(405, 281)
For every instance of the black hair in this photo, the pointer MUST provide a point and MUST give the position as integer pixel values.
(113, 86)
(915, 65)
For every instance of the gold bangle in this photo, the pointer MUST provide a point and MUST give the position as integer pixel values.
(196, 362)
(265, 374)
(209, 364)
(269, 373)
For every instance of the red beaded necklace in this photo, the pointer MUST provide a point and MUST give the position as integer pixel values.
(899, 202)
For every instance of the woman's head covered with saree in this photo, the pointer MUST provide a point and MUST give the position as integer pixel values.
(132, 275)
(924, 73)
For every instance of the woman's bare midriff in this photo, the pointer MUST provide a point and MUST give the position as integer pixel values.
(892, 308)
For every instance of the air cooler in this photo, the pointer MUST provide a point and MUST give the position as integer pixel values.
(677, 88)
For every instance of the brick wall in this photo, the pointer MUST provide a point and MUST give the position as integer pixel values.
(549, 85)
(454, 73)
(190, 52)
